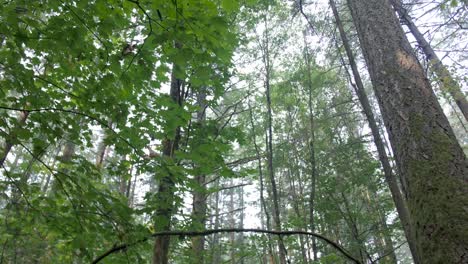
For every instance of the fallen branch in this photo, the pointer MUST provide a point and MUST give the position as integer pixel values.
(227, 230)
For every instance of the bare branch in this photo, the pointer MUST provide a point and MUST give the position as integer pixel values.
(121, 247)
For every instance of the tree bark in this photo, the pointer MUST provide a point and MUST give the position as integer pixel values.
(432, 164)
(448, 83)
(216, 254)
(199, 206)
(271, 173)
(165, 193)
(390, 178)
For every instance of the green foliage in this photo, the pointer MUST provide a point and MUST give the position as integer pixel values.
(82, 66)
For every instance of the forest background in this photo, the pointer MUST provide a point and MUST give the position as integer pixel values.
(250, 131)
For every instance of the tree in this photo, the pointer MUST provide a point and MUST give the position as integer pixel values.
(432, 164)
(390, 177)
(446, 79)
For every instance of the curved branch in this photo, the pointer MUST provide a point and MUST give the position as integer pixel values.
(335, 245)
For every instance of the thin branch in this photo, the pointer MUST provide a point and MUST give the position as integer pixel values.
(223, 188)
(121, 247)
(102, 123)
(312, 28)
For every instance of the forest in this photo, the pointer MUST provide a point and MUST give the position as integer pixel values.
(234, 131)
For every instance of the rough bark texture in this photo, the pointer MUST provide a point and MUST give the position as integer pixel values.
(390, 178)
(432, 165)
(165, 194)
(448, 83)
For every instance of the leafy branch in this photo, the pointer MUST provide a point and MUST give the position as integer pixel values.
(102, 123)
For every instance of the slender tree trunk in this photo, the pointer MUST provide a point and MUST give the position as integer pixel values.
(432, 164)
(448, 83)
(129, 185)
(216, 254)
(269, 143)
(46, 184)
(199, 196)
(313, 163)
(352, 224)
(102, 147)
(67, 154)
(271, 173)
(382, 236)
(241, 222)
(389, 245)
(297, 211)
(165, 193)
(263, 205)
(232, 223)
(9, 141)
(390, 178)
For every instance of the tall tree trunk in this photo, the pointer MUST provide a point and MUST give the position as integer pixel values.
(165, 193)
(269, 142)
(313, 163)
(241, 222)
(232, 224)
(199, 196)
(390, 178)
(271, 173)
(216, 254)
(297, 211)
(263, 205)
(448, 83)
(432, 164)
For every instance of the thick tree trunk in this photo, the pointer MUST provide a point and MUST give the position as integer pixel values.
(448, 83)
(432, 164)
(165, 194)
(390, 178)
